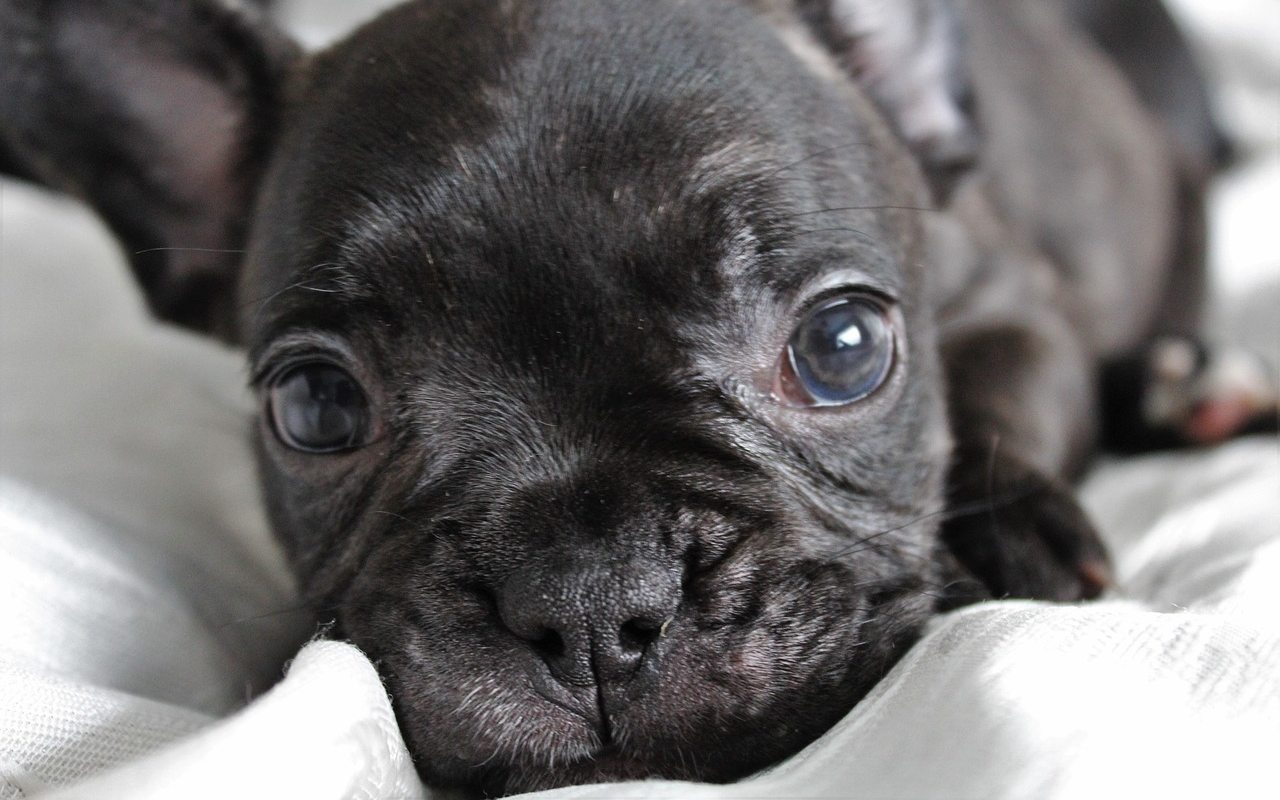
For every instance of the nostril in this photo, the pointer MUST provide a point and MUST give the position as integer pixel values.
(637, 634)
(549, 644)
(589, 624)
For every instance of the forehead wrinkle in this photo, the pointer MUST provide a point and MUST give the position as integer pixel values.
(504, 165)
(492, 427)
(387, 251)
(778, 239)
(475, 181)
(456, 221)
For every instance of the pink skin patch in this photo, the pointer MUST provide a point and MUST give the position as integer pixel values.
(1219, 419)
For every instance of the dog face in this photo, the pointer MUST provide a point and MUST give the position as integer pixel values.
(600, 399)
(608, 498)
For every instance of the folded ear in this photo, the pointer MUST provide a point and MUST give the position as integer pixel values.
(909, 55)
(160, 115)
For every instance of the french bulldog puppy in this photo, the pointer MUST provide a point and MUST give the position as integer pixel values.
(637, 378)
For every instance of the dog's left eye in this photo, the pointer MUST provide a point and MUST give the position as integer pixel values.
(839, 354)
(319, 408)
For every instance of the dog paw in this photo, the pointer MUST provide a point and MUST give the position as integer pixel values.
(1180, 392)
(1022, 533)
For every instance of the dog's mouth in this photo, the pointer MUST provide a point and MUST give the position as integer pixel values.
(689, 643)
(483, 711)
(610, 764)
(538, 742)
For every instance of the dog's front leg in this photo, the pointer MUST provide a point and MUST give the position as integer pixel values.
(1022, 403)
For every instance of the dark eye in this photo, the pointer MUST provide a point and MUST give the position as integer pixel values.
(839, 354)
(319, 408)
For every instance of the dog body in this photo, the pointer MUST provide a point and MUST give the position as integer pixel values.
(627, 395)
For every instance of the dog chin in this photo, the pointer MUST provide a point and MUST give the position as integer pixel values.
(609, 765)
(603, 764)
(522, 742)
(553, 750)
(531, 747)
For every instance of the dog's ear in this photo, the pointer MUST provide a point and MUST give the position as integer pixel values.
(910, 57)
(160, 115)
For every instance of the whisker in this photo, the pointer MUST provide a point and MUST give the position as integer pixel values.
(263, 302)
(819, 154)
(267, 615)
(866, 237)
(989, 505)
(839, 209)
(394, 515)
(901, 585)
(991, 479)
(184, 250)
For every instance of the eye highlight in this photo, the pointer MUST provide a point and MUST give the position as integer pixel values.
(840, 353)
(319, 408)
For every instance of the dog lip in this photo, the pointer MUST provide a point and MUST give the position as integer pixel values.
(612, 762)
(605, 748)
(606, 727)
(577, 712)
(590, 709)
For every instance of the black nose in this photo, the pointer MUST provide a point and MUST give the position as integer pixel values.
(592, 623)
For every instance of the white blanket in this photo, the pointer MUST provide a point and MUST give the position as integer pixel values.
(143, 603)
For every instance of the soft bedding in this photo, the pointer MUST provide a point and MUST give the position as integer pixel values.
(145, 611)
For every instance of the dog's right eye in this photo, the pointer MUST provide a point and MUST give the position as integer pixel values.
(839, 354)
(319, 408)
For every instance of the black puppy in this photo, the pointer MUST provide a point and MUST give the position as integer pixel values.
(623, 394)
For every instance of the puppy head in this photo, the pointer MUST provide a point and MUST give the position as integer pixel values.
(600, 401)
